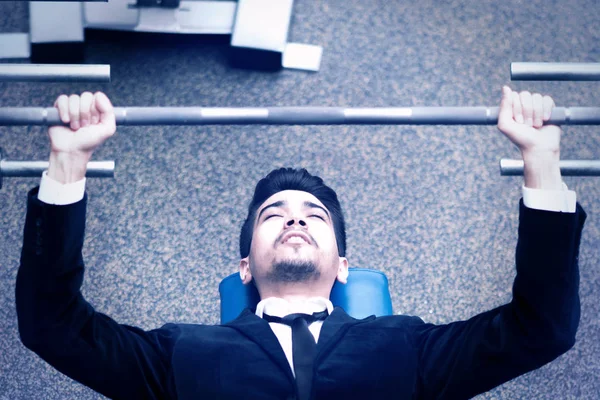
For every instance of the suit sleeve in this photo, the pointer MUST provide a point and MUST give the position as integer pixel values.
(465, 358)
(58, 324)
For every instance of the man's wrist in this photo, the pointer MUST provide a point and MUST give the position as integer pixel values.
(68, 167)
(542, 170)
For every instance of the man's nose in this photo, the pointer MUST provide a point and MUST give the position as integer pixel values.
(295, 221)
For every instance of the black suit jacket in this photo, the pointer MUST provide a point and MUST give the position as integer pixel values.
(386, 357)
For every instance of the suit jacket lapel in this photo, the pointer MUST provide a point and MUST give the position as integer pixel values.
(334, 327)
(259, 331)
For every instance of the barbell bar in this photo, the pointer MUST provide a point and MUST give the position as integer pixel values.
(31, 169)
(106, 169)
(537, 71)
(54, 73)
(14, 116)
(509, 167)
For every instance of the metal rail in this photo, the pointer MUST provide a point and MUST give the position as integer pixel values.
(54, 73)
(534, 71)
(32, 169)
(510, 167)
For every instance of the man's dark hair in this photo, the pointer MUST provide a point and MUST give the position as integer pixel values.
(293, 179)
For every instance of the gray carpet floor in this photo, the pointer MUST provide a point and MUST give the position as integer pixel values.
(424, 204)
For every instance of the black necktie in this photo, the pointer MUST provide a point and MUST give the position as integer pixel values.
(304, 347)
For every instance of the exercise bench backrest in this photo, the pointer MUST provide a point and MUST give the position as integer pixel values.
(366, 293)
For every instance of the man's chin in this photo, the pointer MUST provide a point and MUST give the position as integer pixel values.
(294, 270)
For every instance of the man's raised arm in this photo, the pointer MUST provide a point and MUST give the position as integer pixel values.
(465, 358)
(54, 319)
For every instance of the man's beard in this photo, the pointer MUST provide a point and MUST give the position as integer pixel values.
(293, 271)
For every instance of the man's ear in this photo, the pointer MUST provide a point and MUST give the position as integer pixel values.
(245, 274)
(342, 275)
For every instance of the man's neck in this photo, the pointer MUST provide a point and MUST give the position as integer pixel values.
(295, 291)
(292, 298)
(293, 295)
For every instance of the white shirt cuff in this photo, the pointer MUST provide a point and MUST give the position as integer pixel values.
(564, 200)
(53, 192)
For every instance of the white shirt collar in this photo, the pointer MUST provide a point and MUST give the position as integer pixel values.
(279, 307)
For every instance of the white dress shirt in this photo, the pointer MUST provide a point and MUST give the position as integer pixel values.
(278, 307)
(53, 192)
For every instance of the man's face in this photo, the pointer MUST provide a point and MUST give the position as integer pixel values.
(293, 241)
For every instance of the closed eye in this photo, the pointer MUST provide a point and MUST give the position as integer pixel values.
(273, 215)
(318, 216)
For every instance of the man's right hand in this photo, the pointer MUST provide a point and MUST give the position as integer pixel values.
(91, 120)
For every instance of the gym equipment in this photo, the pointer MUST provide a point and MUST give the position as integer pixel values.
(366, 293)
(34, 169)
(510, 167)
(299, 116)
(54, 73)
(534, 71)
(14, 45)
(259, 38)
(258, 29)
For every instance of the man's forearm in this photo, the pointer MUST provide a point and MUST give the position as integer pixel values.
(542, 171)
(67, 168)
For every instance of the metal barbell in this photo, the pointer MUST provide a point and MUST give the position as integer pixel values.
(14, 116)
(18, 116)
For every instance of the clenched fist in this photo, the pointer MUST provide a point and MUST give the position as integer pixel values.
(91, 120)
(521, 119)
